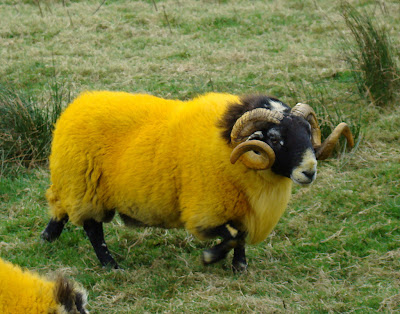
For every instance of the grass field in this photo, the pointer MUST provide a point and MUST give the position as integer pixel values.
(337, 247)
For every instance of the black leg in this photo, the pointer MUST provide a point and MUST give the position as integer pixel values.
(218, 252)
(54, 229)
(239, 262)
(232, 239)
(94, 231)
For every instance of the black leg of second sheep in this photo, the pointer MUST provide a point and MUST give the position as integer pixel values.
(94, 231)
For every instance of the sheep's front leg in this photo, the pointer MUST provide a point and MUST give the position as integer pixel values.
(232, 239)
(94, 231)
(54, 229)
(239, 262)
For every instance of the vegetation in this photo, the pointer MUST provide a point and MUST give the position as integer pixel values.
(26, 125)
(372, 58)
(337, 247)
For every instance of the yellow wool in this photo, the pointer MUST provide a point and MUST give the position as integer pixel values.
(162, 162)
(268, 202)
(25, 292)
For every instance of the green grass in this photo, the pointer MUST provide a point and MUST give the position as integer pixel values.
(336, 249)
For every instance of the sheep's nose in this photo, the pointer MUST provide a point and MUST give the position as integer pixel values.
(309, 174)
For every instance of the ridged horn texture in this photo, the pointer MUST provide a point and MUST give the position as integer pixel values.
(264, 160)
(253, 121)
(329, 144)
(308, 113)
(324, 150)
(246, 125)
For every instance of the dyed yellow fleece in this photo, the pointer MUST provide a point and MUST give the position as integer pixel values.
(162, 162)
(24, 292)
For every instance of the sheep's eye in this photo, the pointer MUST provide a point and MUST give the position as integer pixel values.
(277, 142)
(275, 137)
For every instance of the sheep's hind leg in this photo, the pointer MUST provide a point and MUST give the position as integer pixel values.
(54, 229)
(232, 239)
(94, 231)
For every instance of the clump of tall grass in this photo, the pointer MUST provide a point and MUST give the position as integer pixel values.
(27, 122)
(370, 56)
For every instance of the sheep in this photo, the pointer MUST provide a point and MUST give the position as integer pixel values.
(27, 292)
(218, 165)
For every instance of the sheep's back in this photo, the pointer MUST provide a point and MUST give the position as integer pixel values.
(166, 160)
(162, 162)
(89, 144)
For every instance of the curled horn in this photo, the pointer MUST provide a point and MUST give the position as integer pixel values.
(264, 160)
(246, 125)
(324, 150)
(328, 145)
(308, 113)
(253, 121)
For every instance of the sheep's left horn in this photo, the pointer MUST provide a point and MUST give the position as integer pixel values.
(308, 113)
(264, 160)
(328, 145)
(246, 125)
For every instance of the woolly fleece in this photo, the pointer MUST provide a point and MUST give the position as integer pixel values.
(162, 162)
(25, 292)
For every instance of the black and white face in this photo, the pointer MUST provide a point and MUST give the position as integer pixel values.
(290, 139)
(291, 142)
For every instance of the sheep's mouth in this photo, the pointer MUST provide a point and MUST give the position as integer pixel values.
(304, 177)
(303, 181)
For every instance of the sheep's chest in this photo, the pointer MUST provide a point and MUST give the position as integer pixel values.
(268, 203)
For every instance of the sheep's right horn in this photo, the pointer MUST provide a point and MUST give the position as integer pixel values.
(264, 160)
(253, 121)
(325, 150)
(308, 113)
(328, 145)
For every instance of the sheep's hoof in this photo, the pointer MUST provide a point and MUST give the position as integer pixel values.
(239, 267)
(208, 257)
(54, 229)
(116, 266)
(46, 236)
(216, 253)
(112, 266)
(49, 237)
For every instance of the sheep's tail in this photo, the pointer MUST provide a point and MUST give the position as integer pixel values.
(70, 297)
